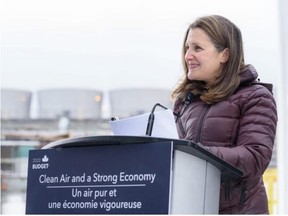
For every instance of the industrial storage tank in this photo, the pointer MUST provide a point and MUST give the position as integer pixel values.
(69, 102)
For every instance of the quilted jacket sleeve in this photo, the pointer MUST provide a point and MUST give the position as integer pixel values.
(253, 148)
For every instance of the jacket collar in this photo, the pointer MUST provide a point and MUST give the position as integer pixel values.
(249, 75)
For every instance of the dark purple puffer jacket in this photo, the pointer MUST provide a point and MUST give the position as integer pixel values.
(240, 130)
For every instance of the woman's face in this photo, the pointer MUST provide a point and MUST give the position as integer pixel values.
(202, 58)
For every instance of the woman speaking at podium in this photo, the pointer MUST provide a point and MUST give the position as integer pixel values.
(221, 104)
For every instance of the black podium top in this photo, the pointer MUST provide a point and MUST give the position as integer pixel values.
(228, 172)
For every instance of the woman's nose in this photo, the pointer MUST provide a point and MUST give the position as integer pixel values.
(189, 55)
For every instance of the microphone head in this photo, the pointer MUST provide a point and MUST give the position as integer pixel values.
(189, 97)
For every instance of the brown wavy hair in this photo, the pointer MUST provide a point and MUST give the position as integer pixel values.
(223, 34)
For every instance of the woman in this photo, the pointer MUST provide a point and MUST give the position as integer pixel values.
(221, 104)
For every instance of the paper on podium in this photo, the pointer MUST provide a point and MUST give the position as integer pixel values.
(164, 125)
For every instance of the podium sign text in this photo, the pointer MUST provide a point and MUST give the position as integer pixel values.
(102, 179)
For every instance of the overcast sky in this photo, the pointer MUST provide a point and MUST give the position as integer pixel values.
(108, 44)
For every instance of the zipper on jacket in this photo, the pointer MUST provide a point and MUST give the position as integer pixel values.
(243, 195)
(199, 129)
(182, 128)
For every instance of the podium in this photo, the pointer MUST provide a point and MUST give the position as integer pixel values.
(125, 175)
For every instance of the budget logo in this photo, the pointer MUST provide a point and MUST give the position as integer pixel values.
(40, 163)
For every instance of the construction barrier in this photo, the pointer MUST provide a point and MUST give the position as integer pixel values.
(271, 185)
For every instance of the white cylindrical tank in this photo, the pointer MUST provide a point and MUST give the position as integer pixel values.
(15, 104)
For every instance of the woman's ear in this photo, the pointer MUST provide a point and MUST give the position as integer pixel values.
(225, 55)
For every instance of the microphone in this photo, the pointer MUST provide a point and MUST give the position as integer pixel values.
(151, 119)
(188, 99)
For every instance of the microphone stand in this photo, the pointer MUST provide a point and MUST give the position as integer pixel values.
(151, 119)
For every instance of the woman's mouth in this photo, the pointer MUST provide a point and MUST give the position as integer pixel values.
(192, 65)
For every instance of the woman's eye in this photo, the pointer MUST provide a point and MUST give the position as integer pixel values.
(197, 48)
